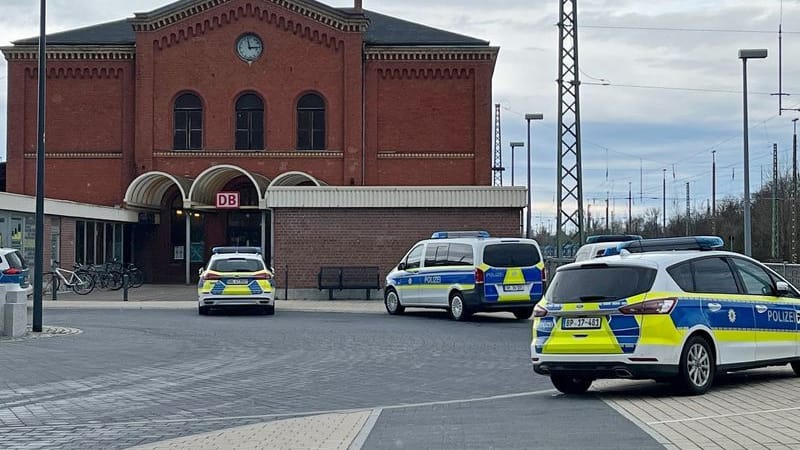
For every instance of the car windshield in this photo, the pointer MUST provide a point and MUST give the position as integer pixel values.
(599, 283)
(511, 255)
(237, 265)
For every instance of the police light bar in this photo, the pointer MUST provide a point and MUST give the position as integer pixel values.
(459, 234)
(223, 250)
(612, 238)
(702, 243)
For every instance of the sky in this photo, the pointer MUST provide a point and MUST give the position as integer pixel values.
(661, 87)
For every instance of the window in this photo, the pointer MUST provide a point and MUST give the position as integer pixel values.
(188, 123)
(311, 123)
(249, 123)
(237, 265)
(414, 257)
(755, 279)
(436, 255)
(460, 255)
(511, 255)
(713, 276)
(599, 283)
(682, 274)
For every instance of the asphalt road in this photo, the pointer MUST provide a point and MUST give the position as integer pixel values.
(140, 376)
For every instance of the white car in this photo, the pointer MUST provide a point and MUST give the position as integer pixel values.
(14, 273)
(236, 277)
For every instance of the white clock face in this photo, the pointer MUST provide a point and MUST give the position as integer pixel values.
(249, 47)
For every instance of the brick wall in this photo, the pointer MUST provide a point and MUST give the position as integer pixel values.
(306, 239)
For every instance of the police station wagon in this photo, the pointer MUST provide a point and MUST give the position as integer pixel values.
(235, 277)
(668, 309)
(468, 272)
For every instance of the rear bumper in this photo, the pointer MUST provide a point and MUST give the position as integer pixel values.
(236, 300)
(611, 369)
(476, 301)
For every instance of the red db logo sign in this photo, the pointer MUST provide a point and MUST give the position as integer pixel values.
(227, 200)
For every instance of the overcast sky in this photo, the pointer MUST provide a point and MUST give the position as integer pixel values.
(631, 123)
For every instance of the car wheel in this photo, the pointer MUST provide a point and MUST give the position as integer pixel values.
(796, 367)
(569, 384)
(697, 367)
(523, 314)
(268, 310)
(458, 309)
(392, 303)
(202, 310)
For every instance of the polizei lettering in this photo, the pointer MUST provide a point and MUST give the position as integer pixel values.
(782, 316)
(433, 280)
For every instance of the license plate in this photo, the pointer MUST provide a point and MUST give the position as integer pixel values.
(580, 323)
(239, 281)
(514, 287)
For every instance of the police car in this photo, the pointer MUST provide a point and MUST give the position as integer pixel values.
(467, 272)
(235, 277)
(668, 309)
(14, 274)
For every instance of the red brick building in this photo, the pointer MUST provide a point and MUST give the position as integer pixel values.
(347, 134)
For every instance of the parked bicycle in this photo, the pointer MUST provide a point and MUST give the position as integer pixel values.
(79, 281)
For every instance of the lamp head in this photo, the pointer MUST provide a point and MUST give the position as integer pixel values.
(537, 116)
(752, 53)
(517, 144)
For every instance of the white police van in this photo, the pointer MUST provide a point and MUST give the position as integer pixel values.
(468, 272)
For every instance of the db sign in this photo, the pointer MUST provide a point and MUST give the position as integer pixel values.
(228, 200)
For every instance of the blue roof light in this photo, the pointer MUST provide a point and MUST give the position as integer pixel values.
(459, 234)
(221, 250)
(612, 238)
(672, 244)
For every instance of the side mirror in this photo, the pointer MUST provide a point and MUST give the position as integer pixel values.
(783, 288)
(401, 266)
(200, 271)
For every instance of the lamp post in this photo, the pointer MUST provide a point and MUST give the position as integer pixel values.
(514, 145)
(744, 55)
(528, 118)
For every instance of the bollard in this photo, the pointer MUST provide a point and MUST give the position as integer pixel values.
(54, 286)
(286, 283)
(2, 308)
(15, 314)
(124, 286)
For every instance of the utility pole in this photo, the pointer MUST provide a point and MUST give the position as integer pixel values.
(794, 193)
(607, 229)
(664, 199)
(714, 192)
(630, 210)
(641, 181)
(688, 208)
(775, 237)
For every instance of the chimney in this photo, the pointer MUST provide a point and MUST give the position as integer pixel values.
(357, 6)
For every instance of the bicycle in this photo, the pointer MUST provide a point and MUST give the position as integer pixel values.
(81, 283)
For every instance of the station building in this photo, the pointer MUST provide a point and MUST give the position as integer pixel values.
(327, 136)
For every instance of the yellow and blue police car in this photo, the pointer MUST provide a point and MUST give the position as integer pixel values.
(668, 309)
(235, 277)
(467, 272)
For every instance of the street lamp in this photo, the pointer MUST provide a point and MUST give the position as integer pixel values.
(744, 55)
(528, 118)
(514, 145)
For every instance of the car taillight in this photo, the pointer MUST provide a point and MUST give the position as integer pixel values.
(539, 311)
(478, 276)
(544, 275)
(263, 276)
(657, 306)
(211, 276)
(12, 271)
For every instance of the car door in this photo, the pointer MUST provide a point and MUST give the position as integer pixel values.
(775, 318)
(432, 289)
(727, 312)
(408, 280)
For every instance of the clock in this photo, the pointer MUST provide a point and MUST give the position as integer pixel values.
(249, 47)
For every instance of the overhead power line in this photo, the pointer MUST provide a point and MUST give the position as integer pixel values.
(683, 29)
(672, 88)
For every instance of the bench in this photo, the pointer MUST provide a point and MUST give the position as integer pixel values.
(348, 277)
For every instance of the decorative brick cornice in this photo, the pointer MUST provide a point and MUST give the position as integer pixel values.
(249, 154)
(427, 73)
(72, 52)
(76, 155)
(339, 20)
(431, 53)
(423, 155)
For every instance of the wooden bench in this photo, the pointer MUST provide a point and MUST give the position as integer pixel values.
(348, 277)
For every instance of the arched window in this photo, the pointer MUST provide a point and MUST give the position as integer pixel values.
(188, 123)
(249, 123)
(311, 123)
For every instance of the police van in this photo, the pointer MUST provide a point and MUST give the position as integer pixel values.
(468, 272)
(673, 309)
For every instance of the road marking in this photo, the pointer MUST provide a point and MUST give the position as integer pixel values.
(723, 416)
(361, 438)
(642, 426)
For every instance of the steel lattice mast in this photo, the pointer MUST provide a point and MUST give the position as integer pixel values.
(570, 186)
(498, 168)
